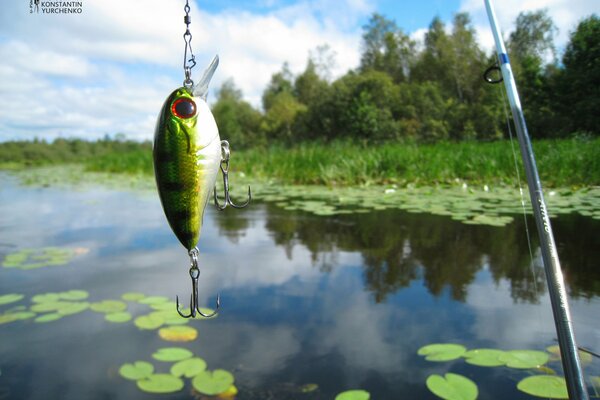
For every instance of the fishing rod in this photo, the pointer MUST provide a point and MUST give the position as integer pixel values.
(556, 287)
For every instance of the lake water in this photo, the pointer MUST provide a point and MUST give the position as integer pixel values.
(342, 302)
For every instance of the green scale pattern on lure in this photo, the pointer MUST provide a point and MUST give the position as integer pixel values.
(187, 154)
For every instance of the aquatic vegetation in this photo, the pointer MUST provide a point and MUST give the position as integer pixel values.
(109, 306)
(133, 296)
(118, 317)
(178, 333)
(136, 370)
(10, 298)
(484, 357)
(550, 387)
(452, 387)
(212, 382)
(457, 387)
(442, 351)
(172, 354)
(26, 259)
(524, 359)
(353, 395)
(189, 367)
(217, 382)
(160, 383)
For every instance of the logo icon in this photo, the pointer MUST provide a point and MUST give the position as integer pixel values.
(36, 3)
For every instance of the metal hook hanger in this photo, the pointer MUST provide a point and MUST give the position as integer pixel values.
(194, 274)
(225, 153)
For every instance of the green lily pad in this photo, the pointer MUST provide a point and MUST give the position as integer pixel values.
(309, 387)
(172, 354)
(74, 295)
(133, 296)
(546, 386)
(45, 298)
(353, 395)
(153, 300)
(160, 383)
(442, 351)
(10, 298)
(212, 383)
(48, 317)
(523, 359)
(73, 308)
(108, 306)
(27, 259)
(163, 306)
(178, 333)
(452, 387)
(596, 383)
(137, 370)
(484, 357)
(149, 322)
(188, 368)
(50, 306)
(118, 317)
(584, 357)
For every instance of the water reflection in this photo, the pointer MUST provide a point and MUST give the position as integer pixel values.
(342, 302)
(398, 248)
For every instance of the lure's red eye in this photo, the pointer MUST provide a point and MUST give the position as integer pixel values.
(184, 108)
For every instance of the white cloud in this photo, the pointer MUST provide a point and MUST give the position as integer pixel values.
(109, 69)
(565, 14)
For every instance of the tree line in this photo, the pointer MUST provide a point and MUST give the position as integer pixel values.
(430, 91)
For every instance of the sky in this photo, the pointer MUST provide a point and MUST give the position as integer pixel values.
(108, 69)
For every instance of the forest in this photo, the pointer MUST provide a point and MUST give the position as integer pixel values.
(428, 92)
(410, 112)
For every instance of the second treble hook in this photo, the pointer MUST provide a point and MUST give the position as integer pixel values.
(225, 154)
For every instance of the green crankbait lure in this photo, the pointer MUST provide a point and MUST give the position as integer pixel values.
(187, 154)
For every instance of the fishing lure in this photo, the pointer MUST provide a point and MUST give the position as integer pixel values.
(187, 154)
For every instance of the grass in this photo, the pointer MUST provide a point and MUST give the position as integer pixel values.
(565, 162)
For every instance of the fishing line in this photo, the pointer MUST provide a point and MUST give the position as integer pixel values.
(523, 206)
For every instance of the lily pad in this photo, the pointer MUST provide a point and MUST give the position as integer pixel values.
(160, 383)
(309, 387)
(188, 368)
(153, 300)
(133, 296)
(353, 395)
(71, 308)
(584, 357)
(546, 386)
(149, 322)
(484, 357)
(452, 387)
(442, 351)
(108, 306)
(229, 393)
(118, 317)
(137, 370)
(74, 295)
(524, 359)
(48, 317)
(178, 333)
(10, 298)
(172, 354)
(212, 383)
(27, 259)
(50, 306)
(45, 298)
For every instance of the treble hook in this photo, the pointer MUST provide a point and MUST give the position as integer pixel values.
(194, 274)
(225, 153)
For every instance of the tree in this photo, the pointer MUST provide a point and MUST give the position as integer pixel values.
(386, 48)
(529, 45)
(237, 120)
(280, 82)
(579, 83)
